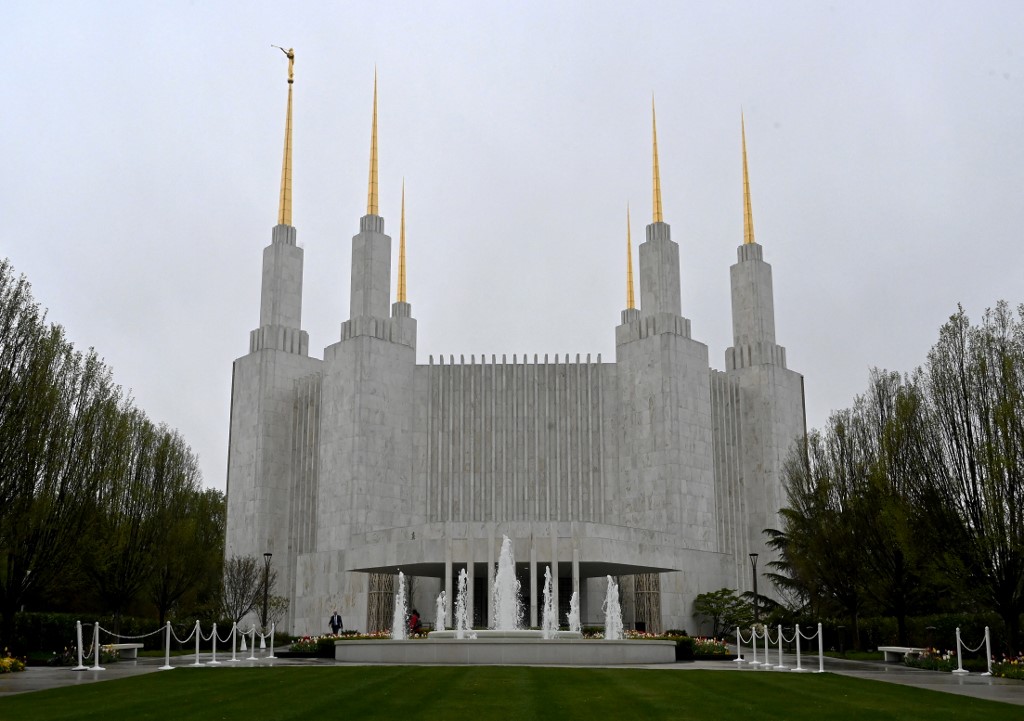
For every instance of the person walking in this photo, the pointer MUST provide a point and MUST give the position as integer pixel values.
(336, 624)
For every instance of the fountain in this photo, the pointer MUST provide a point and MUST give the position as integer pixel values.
(573, 617)
(462, 624)
(612, 612)
(441, 611)
(506, 642)
(549, 617)
(507, 608)
(398, 630)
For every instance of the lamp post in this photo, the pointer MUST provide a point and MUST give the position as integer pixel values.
(266, 586)
(753, 566)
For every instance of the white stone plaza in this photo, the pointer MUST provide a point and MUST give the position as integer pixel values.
(652, 467)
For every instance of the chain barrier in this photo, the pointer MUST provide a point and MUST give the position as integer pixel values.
(986, 642)
(95, 647)
(120, 636)
(779, 639)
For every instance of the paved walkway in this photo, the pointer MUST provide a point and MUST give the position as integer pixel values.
(37, 678)
(972, 684)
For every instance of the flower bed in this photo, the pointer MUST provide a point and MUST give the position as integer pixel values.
(9, 664)
(1009, 667)
(932, 659)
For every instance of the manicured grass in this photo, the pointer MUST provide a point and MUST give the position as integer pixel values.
(483, 693)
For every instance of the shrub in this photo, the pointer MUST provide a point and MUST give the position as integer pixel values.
(9, 664)
(51, 632)
(684, 648)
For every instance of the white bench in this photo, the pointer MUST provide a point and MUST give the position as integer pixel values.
(899, 653)
(124, 650)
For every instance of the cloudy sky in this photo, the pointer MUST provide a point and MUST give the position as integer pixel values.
(141, 147)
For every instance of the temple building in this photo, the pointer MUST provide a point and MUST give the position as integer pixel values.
(652, 467)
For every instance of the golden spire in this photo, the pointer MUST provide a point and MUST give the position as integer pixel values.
(657, 173)
(748, 215)
(401, 252)
(371, 195)
(630, 302)
(284, 211)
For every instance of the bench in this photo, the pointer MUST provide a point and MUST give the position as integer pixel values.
(895, 654)
(124, 650)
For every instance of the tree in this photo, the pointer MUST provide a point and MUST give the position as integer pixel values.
(823, 518)
(724, 608)
(52, 402)
(974, 493)
(190, 549)
(277, 608)
(85, 478)
(916, 492)
(242, 589)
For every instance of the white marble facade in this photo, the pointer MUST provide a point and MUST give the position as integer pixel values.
(365, 461)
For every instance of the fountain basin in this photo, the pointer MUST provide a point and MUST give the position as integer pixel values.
(506, 651)
(499, 633)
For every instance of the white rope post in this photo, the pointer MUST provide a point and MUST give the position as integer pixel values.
(797, 632)
(78, 637)
(753, 646)
(821, 650)
(780, 664)
(167, 650)
(739, 656)
(959, 659)
(214, 661)
(96, 645)
(988, 652)
(272, 627)
(767, 661)
(199, 635)
(252, 645)
(234, 632)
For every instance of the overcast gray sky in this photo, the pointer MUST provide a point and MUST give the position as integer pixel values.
(142, 149)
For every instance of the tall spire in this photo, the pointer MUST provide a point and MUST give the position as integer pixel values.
(657, 172)
(630, 300)
(401, 252)
(284, 210)
(748, 215)
(371, 194)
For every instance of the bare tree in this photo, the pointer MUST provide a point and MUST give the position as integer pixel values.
(243, 586)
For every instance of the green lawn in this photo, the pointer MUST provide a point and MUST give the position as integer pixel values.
(483, 693)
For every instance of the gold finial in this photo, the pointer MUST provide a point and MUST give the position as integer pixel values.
(630, 302)
(284, 210)
(371, 195)
(401, 252)
(657, 172)
(748, 215)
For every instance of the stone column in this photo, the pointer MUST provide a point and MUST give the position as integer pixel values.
(449, 601)
(491, 560)
(470, 576)
(554, 562)
(576, 571)
(533, 583)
